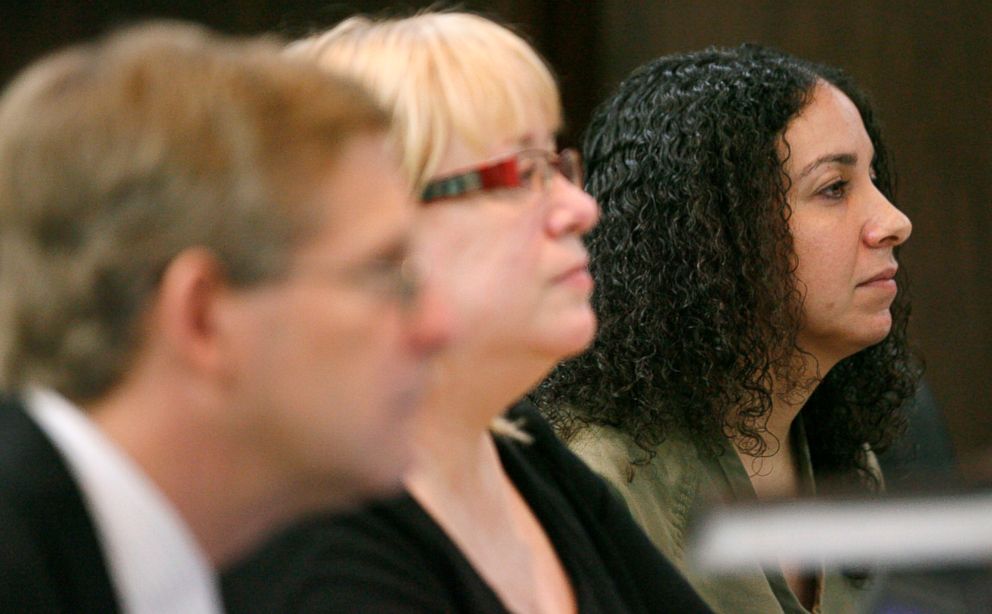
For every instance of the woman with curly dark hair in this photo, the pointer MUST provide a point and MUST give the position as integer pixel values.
(751, 333)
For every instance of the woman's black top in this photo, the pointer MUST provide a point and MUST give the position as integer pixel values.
(393, 557)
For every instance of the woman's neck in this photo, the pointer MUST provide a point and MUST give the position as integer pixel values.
(789, 398)
(774, 473)
(471, 388)
(452, 455)
(454, 450)
(458, 478)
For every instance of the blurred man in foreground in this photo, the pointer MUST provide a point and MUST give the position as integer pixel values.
(209, 324)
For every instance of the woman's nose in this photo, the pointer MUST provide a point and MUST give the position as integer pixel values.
(889, 226)
(573, 211)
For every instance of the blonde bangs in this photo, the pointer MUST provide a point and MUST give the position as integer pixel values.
(494, 87)
(443, 76)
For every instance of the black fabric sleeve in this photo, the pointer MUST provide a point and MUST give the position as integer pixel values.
(388, 558)
(350, 563)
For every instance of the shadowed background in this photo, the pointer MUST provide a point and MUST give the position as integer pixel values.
(927, 65)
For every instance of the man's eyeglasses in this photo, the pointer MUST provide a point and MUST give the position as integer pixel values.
(397, 280)
(530, 168)
(402, 281)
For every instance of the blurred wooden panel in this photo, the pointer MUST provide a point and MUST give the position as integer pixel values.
(564, 31)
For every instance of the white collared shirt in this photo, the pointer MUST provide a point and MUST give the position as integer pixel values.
(155, 562)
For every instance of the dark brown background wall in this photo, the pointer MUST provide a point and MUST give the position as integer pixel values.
(927, 64)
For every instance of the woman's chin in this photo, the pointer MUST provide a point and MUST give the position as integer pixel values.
(876, 331)
(574, 332)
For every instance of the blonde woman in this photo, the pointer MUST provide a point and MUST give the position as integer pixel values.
(498, 515)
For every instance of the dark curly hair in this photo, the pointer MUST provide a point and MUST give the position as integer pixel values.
(696, 295)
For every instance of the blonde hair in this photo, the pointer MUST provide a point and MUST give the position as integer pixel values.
(117, 156)
(443, 76)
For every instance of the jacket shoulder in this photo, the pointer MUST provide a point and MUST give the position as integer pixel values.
(660, 489)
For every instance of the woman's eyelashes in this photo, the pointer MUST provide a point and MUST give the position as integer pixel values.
(839, 187)
(835, 190)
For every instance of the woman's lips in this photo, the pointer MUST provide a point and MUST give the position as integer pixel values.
(881, 284)
(577, 277)
(884, 280)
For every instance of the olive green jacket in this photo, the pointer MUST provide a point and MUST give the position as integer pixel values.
(667, 492)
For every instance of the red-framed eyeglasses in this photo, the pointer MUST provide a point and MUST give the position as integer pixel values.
(530, 168)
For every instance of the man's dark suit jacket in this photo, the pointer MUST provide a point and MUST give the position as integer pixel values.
(50, 557)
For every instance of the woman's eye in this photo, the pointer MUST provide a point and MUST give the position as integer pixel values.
(528, 170)
(835, 190)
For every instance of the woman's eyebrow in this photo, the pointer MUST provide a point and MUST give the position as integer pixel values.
(847, 159)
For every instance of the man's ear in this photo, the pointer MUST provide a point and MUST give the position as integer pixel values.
(186, 314)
